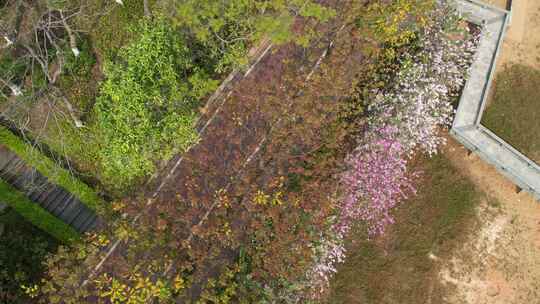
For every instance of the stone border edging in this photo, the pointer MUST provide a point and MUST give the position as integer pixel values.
(467, 127)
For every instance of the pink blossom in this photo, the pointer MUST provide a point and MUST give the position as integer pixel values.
(404, 118)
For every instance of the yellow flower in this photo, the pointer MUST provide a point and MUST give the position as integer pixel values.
(178, 283)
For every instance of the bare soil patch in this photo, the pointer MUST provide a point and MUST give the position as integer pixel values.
(522, 43)
(513, 106)
(468, 238)
(500, 261)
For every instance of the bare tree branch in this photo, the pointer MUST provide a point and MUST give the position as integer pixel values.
(72, 39)
(78, 123)
(15, 89)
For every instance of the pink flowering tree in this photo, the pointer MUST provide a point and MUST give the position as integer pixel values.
(377, 175)
(404, 118)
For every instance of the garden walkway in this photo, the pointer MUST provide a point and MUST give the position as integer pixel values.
(467, 127)
(53, 198)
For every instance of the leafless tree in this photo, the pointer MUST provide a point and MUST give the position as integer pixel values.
(36, 38)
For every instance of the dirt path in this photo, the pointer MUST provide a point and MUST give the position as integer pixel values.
(522, 43)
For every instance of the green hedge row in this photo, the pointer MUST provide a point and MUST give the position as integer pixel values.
(54, 173)
(37, 215)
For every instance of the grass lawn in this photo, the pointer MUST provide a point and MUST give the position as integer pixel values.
(514, 111)
(395, 268)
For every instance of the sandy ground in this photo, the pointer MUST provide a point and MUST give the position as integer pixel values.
(522, 43)
(500, 262)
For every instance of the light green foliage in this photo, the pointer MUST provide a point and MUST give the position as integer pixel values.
(146, 109)
(36, 215)
(155, 75)
(227, 28)
(54, 173)
(145, 290)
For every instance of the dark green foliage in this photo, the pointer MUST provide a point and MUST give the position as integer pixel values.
(83, 64)
(147, 107)
(10, 66)
(78, 81)
(38, 79)
(514, 113)
(13, 71)
(228, 28)
(23, 248)
(109, 32)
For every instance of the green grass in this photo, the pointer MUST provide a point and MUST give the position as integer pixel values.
(36, 215)
(514, 111)
(395, 268)
(51, 170)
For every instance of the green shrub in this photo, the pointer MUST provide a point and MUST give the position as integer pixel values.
(109, 32)
(82, 65)
(146, 110)
(228, 28)
(37, 215)
(51, 170)
(39, 81)
(78, 82)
